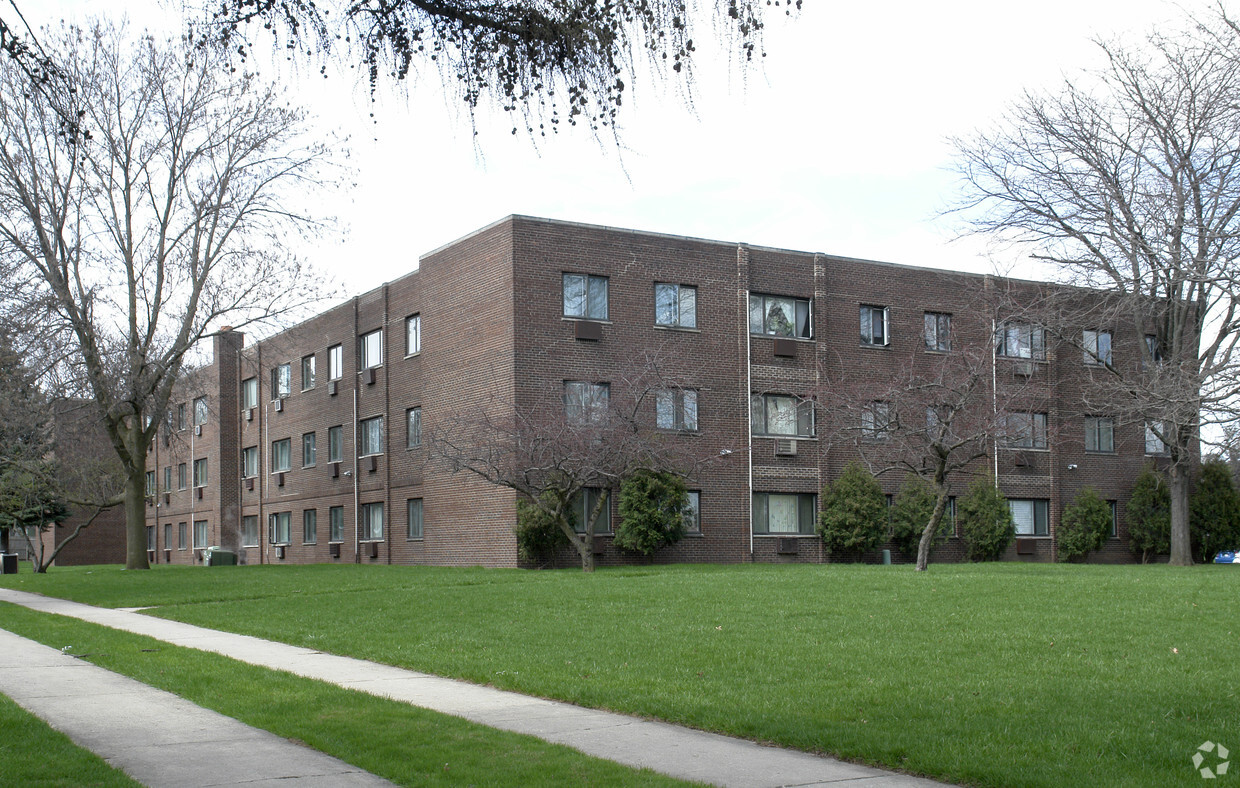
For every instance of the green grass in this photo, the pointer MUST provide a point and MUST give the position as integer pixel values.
(405, 744)
(1001, 674)
(31, 753)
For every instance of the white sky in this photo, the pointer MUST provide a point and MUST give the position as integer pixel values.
(838, 145)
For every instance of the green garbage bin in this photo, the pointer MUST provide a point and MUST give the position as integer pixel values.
(218, 556)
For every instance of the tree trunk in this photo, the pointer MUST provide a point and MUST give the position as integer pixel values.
(932, 527)
(1177, 481)
(135, 519)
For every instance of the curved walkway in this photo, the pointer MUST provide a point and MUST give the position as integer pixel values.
(670, 749)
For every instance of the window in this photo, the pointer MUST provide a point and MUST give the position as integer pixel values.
(1025, 430)
(200, 473)
(873, 325)
(585, 403)
(413, 528)
(335, 444)
(1114, 506)
(370, 350)
(200, 411)
(167, 478)
(675, 305)
(413, 335)
(167, 536)
(583, 506)
(281, 381)
(1030, 516)
(249, 462)
(371, 433)
(372, 522)
(249, 530)
(676, 409)
(1097, 345)
(181, 536)
(1020, 340)
(181, 416)
(1154, 443)
(281, 455)
(310, 526)
(413, 428)
(200, 533)
(278, 527)
(779, 316)
(335, 524)
(307, 372)
(877, 421)
(938, 331)
(1099, 433)
(308, 450)
(150, 538)
(181, 476)
(693, 513)
(781, 414)
(249, 393)
(1153, 350)
(776, 513)
(585, 296)
(335, 362)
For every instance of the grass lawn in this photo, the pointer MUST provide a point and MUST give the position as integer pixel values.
(31, 753)
(999, 674)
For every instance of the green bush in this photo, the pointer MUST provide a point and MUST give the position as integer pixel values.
(911, 512)
(1085, 526)
(652, 511)
(1149, 515)
(538, 534)
(854, 513)
(985, 521)
(1214, 512)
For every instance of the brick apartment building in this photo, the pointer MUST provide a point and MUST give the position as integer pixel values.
(309, 446)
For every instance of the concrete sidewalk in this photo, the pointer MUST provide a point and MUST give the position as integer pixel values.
(669, 749)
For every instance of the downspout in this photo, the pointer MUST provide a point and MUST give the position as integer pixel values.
(193, 496)
(264, 533)
(263, 458)
(357, 506)
(749, 423)
(388, 509)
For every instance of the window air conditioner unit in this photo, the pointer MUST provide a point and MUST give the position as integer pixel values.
(280, 479)
(1026, 546)
(1023, 369)
(785, 348)
(374, 550)
(1020, 459)
(331, 388)
(788, 546)
(333, 549)
(199, 489)
(249, 484)
(370, 376)
(374, 463)
(588, 330)
(279, 551)
(279, 405)
(249, 414)
(198, 430)
(167, 499)
(786, 447)
(335, 470)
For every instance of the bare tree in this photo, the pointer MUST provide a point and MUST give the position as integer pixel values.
(171, 218)
(1128, 180)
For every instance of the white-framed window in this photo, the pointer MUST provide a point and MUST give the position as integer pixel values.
(249, 530)
(167, 536)
(874, 329)
(783, 513)
(249, 393)
(150, 484)
(181, 475)
(370, 350)
(1154, 444)
(281, 381)
(585, 403)
(1099, 433)
(335, 362)
(780, 316)
(413, 335)
(938, 331)
(1025, 430)
(1153, 351)
(200, 473)
(308, 451)
(413, 524)
(150, 539)
(413, 428)
(200, 533)
(182, 537)
(335, 524)
(676, 409)
(1031, 516)
(782, 414)
(279, 527)
(1114, 506)
(693, 512)
(281, 455)
(335, 443)
(1020, 340)
(370, 433)
(582, 506)
(167, 478)
(249, 462)
(877, 421)
(200, 411)
(1097, 347)
(372, 522)
(181, 416)
(307, 372)
(675, 306)
(310, 526)
(585, 296)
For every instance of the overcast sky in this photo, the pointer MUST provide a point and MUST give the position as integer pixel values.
(839, 144)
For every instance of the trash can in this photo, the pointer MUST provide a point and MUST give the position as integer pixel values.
(8, 563)
(218, 556)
